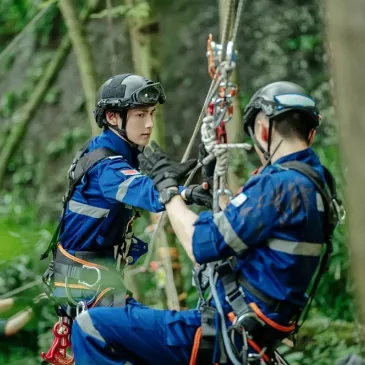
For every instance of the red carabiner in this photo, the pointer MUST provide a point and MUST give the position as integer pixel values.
(221, 133)
(57, 354)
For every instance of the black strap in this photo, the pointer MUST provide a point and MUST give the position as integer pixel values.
(80, 166)
(208, 335)
(270, 302)
(234, 294)
(330, 222)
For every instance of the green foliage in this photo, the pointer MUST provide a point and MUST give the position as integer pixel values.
(137, 13)
(14, 15)
(292, 48)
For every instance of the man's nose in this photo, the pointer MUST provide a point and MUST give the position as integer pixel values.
(149, 122)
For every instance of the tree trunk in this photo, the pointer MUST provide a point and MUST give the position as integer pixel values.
(234, 127)
(141, 44)
(84, 57)
(346, 32)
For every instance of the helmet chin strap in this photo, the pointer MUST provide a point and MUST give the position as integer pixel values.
(122, 131)
(268, 157)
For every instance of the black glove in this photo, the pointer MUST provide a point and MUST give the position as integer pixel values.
(164, 171)
(207, 170)
(200, 196)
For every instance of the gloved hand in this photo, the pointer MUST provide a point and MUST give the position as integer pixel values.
(200, 194)
(207, 170)
(164, 171)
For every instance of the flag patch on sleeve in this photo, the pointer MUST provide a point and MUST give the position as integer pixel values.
(238, 200)
(129, 172)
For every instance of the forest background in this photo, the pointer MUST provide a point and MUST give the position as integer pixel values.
(47, 93)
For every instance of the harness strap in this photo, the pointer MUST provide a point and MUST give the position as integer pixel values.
(205, 337)
(272, 303)
(75, 267)
(80, 166)
(110, 298)
(332, 217)
(234, 293)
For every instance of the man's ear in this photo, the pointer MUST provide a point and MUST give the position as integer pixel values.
(311, 136)
(111, 117)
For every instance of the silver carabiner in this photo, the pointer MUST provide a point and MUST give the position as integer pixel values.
(91, 286)
(219, 112)
(340, 211)
(225, 191)
(221, 192)
(81, 306)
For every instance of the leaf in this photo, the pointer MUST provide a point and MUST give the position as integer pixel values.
(114, 12)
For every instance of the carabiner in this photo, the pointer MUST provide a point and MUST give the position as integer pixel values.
(340, 211)
(91, 286)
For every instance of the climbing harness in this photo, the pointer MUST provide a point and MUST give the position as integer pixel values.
(85, 274)
(249, 324)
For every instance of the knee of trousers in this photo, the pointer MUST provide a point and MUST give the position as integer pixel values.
(83, 327)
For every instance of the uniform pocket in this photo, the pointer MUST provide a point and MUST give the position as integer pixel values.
(181, 327)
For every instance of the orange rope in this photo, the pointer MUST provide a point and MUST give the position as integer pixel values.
(194, 352)
(100, 296)
(270, 322)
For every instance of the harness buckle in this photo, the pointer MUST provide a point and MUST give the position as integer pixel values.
(240, 291)
(91, 286)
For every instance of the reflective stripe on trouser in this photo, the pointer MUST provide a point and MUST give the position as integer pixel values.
(135, 334)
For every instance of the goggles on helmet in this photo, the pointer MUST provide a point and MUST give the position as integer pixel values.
(146, 95)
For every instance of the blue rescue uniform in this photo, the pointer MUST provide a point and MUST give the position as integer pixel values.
(102, 206)
(274, 228)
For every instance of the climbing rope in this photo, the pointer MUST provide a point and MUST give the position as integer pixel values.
(220, 71)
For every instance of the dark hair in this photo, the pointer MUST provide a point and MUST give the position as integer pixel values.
(294, 124)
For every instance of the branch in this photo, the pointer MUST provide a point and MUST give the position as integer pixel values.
(26, 113)
(84, 58)
(34, 21)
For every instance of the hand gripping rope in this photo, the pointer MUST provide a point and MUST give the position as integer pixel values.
(218, 105)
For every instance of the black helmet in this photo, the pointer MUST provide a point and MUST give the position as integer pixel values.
(123, 92)
(278, 98)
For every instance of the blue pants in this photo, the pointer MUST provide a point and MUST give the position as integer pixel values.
(135, 334)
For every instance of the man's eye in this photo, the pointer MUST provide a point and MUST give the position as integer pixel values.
(140, 115)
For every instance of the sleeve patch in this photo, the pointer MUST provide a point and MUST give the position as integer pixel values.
(129, 172)
(238, 200)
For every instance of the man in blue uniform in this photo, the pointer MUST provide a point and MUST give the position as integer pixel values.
(105, 189)
(274, 230)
